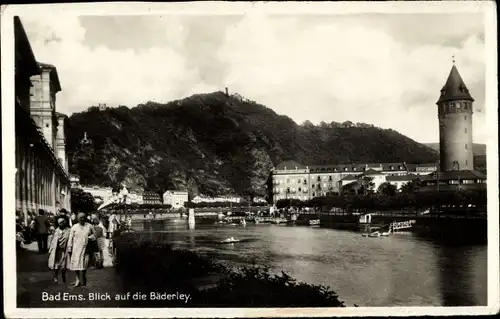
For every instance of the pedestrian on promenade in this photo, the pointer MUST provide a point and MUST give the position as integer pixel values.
(58, 255)
(113, 224)
(72, 219)
(42, 225)
(80, 236)
(101, 241)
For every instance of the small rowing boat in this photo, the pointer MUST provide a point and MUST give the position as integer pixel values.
(229, 240)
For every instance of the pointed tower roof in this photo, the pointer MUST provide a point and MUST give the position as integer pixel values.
(455, 88)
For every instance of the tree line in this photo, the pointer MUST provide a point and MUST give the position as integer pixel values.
(401, 200)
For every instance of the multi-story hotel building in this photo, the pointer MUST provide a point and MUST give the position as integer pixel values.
(151, 198)
(292, 180)
(176, 199)
(42, 180)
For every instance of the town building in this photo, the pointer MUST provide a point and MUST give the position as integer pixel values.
(455, 110)
(175, 198)
(100, 193)
(151, 198)
(293, 180)
(42, 180)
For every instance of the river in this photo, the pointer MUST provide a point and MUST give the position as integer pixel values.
(399, 270)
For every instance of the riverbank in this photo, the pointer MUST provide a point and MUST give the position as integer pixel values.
(151, 266)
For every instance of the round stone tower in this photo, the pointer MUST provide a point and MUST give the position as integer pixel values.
(455, 124)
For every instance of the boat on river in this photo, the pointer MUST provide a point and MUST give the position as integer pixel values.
(314, 222)
(374, 234)
(230, 240)
(279, 221)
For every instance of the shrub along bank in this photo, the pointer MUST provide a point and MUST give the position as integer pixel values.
(150, 264)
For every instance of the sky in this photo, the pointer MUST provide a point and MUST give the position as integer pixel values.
(382, 69)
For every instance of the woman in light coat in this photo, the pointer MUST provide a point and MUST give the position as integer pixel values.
(58, 256)
(79, 237)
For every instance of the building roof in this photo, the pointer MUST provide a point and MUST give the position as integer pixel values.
(455, 175)
(349, 178)
(176, 192)
(54, 77)
(59, 115)
(352, 185)
(372, 172)
(337, 168)
(289, 165)
(25, 61)
(401, 178)
(455, 88)
(393, 166)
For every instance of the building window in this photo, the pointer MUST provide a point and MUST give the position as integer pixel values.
(330, 178)
(466, 164)
(454, 182)
(392, 167)
(335, 169)
(354, 168)
(312, 185)
(465, 146)
(345, 169)
(465, 117)
(47, 125)
(319, 178)
(300, 189)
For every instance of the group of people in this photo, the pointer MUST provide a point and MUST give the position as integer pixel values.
(77, 241)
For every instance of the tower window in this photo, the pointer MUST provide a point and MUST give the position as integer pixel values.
(465, 146)
(466, 130)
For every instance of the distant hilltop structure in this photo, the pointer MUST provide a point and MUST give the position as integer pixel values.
(102, 106)
(237, 96)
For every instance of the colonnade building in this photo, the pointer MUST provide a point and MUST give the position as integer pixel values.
(42, 180)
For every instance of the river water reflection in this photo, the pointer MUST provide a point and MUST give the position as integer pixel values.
(400, 270)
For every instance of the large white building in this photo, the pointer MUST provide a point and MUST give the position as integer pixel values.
(292, 180)
(102, 194)
(176, 199)
(42, 180)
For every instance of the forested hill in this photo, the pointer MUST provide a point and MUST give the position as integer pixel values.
(216, 144)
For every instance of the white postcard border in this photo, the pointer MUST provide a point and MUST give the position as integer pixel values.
(282, 8)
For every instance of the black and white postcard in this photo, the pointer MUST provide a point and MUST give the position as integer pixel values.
(250, 159)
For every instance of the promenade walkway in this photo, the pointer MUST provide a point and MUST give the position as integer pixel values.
(35, 278)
